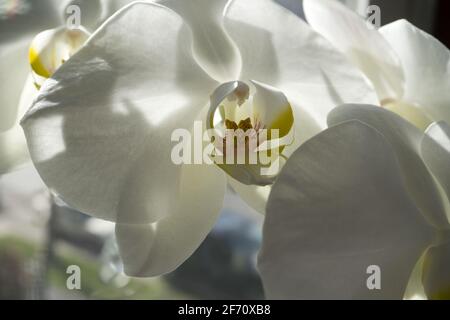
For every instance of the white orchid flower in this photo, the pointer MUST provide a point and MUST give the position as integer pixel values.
(409, 69)
(383, 203)
(100, 131)
(35, 33)
(373, 189)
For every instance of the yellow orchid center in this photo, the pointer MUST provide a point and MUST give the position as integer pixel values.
(242, 137)
(251, 129)
(52, 48)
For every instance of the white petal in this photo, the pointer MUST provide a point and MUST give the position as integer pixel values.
(415, 289)
(405, 140)
(99, 133)
(426, 63)
(212, 46)
(436, 153)
(281, 50)
(109, 7)
(338, 207)
(364, 46)
(152, 250)
(225, 99)
(436, 274)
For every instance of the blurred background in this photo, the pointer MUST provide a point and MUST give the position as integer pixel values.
(40, 236)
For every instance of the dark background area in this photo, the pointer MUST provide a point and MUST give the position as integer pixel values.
(431, 16)
(442, 28)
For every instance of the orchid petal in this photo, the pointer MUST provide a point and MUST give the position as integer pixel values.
(436, 275)
(406, 142)
(339, 207)
(15, 70)
(272, 109)
(279, 49)
(436, 154)
(364, 46)
(254, 196)
(159, 248)
(16, 35)
(212, 47)
(99, 132)
(109, 7)
(426, 62)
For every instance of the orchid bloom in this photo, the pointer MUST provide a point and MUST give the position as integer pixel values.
(30, 53)
(100, 131)
(373, 189)
(408, 68)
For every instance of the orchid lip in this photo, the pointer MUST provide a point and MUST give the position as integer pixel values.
(246, 125)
